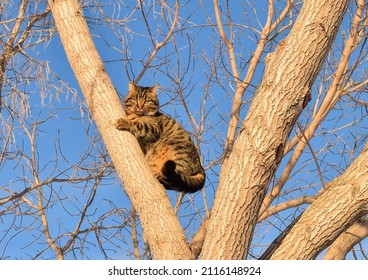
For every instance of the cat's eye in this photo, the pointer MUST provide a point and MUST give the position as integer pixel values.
(151, 100)
(130, 101)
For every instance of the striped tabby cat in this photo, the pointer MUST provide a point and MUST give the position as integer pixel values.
(168, 148)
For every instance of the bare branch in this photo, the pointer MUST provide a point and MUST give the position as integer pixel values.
(159, 45)
(242, 86)
(346, 241)
(328, 103)
(134, 234)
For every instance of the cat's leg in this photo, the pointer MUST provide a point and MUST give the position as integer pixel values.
(122, 124)
(143, 128)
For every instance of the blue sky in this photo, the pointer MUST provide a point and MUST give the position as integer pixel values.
(64, 136)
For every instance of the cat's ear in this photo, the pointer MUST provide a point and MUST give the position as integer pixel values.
(154, 89)
(132, 86)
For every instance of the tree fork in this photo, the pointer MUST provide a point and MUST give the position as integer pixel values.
(289, 74)
(162, 228)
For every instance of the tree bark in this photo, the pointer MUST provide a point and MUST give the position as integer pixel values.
(284, 92)
(161, 227)
(343, 203)
(347, 240)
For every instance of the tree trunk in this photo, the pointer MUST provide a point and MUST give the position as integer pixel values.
(284, 92)
(344, 202)
(161, 227)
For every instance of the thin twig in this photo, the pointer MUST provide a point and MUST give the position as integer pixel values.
(134, 233)
(158, 46)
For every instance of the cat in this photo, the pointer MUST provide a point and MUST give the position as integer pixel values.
(169, 150)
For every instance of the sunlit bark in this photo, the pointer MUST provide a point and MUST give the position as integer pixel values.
(343, 203)
(161, 227)
(284, 92)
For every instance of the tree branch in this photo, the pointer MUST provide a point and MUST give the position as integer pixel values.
(242, 86)
(343, 203)
(332, 96)
(147, 195)
(347, 240)
(159, 45)
(276, 106)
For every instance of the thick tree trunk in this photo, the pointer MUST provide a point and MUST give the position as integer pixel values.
(161, 227)
(285, 90)
(344, 202)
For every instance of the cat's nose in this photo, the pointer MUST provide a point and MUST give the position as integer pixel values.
(140, 105)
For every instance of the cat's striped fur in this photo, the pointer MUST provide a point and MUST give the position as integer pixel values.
(168, 148)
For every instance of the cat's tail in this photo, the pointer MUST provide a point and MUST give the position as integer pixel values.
(173, 180)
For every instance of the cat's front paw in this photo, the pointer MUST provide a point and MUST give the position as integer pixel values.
(122, 124)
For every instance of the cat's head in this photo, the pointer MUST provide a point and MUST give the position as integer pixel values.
(141, 101)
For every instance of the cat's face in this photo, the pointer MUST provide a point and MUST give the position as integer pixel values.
(141, 101)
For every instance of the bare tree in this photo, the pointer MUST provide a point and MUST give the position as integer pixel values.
(40, 178)
(278, 114)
